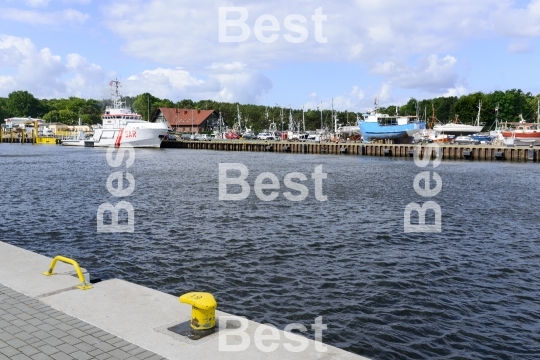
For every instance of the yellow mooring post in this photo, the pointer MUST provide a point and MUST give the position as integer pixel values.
(203, 311)
(83, 285)
(11, 131)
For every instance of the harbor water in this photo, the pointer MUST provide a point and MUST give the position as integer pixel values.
(470, 291)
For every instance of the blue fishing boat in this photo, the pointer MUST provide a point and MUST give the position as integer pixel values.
(398, 128)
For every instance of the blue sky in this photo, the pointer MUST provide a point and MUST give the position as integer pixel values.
(393, 50)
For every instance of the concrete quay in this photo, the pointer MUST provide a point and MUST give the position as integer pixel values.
(48, 317)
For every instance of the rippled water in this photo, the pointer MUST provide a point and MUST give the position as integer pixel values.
(471, 291)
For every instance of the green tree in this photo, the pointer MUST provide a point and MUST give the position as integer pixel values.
(145, 105)
(533, 103)
(23, 104)
(466, 108)
(4, 114)
(186, 104)
(67, 117)
(513, 103)
(52, 116)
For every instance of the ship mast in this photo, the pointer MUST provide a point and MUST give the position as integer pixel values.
(432, 122)
(538, 112)
(291, 122)
(239, 119)
(478, 116)
(321, 118)
(334, 115)
(115, 94)
(497, 117)
(303, 119)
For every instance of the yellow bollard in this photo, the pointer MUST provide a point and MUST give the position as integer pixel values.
(83, 285)
(203, 311)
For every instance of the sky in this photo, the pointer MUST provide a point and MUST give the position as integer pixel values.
(300, 53)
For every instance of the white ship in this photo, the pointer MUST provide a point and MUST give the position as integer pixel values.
(458, 129)
(121, 126)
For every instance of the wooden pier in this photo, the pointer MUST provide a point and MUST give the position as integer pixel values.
(449, 152)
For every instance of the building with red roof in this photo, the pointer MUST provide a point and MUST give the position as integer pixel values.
(187, 120)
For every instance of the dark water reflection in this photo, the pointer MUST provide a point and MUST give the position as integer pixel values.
(469, 292)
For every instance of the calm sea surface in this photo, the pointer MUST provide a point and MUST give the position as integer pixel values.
(472, 291)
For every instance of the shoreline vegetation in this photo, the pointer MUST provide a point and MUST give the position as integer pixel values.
(511, 105)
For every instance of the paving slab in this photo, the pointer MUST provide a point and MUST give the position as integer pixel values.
(21, 341)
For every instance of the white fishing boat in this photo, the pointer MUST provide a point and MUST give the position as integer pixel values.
(121, 127)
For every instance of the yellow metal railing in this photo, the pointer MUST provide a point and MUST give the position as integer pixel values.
(83, 285)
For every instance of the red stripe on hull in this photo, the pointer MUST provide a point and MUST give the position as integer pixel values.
(521, 135)
(119, 138)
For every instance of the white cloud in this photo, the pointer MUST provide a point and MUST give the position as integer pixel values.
(456, 91)
(385, 93)
(431, 74)
(351, 101)
(236, 65)
(37, 3)
(82, 2)
(520, 47)
(55, 18)
(45, 74)
(383, 36)
(360, 30)
(225, 82)
(512, 21)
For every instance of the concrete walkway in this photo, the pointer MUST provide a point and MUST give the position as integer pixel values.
(44, 317)
(30, 329)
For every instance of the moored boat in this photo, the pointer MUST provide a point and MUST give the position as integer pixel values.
(398, 128)
(457, 128)
(121, 126)
(524, 133)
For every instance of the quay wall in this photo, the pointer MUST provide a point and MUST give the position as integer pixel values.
(449, 152)
(31, 140)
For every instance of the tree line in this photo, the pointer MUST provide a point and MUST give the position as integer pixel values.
(511, 104)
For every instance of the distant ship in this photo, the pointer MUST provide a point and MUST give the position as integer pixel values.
(121, 127)
(457, 128)
(399, 128)
(524, 133)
